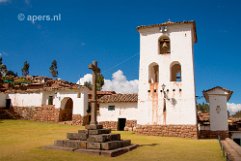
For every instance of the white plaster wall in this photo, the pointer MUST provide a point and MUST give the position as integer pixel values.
(218, 121)
(236, 135)
(184, 112)
(122, 110)
(79, 104)
(3, 98)
(26, 99)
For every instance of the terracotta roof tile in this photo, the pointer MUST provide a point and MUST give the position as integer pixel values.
(119, 98)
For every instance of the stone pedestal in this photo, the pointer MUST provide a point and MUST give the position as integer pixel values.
(94, 140)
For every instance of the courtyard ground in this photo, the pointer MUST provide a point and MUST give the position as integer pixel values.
(22, 141)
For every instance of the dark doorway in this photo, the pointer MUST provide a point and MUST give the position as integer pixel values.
(50, 100)
(66, 109)
(236, 140)
(121, 124)
(8, 103)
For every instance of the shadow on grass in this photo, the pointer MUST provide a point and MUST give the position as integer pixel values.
(153, 144)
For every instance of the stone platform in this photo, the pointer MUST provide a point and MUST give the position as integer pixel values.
(94, 140)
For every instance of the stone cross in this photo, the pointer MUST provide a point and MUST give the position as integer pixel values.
(95, 72)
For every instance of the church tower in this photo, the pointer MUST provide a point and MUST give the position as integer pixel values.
(166, 74)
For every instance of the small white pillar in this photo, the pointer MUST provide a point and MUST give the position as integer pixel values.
(217, 98)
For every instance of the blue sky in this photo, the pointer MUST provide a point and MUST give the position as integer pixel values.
(106, 31)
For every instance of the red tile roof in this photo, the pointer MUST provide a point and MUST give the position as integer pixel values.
(119, 98)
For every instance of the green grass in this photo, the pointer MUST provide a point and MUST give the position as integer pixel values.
(22, 141)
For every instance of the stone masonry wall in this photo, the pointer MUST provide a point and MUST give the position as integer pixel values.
(207, 134)
(45, 113)
(113, 124)
(184, 131)
(77, 119)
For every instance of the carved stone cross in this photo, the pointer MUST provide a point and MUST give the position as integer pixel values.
(95, 71)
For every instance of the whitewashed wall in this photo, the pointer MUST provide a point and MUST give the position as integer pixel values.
(79, 104)
(122, 110)
(3, 97)
(218, 118)
(236, 135)
(40, 99)
(184, 111)
(26, 99)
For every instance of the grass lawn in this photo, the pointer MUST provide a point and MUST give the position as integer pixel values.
(22, 141)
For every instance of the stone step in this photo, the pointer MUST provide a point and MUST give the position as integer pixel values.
(77, 136)
(76, 144)
(83, 131)
(103, 138)
(108, 145)
(93, 127)
(99, 131)
(118, 151)
(115, 144)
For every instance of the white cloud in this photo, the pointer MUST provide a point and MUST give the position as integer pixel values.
(118, 83)
(85, 78)
(4, 1)
(233, 108)
(3, 54)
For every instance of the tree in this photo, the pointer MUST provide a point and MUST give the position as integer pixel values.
(54, 69)
(99, 82)
(25, 69)
(3, 70)
(11, 73)
(88, 85)
(203, 107)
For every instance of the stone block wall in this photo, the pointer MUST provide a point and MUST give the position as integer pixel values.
(207, 134)
(130, 124)
(77, 119)
(109, 124)
(45, 113)
(184, 131)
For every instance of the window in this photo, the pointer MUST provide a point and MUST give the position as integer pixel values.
(50, 100)
(153, 73)
(164, 45)
(111, 108)
(176, 72)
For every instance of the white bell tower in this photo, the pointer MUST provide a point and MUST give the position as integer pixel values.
(166, 74)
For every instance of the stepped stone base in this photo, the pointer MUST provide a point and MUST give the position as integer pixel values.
(94, 140)
(109, 153)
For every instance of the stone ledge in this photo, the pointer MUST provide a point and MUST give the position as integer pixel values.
(103, 138)
(99, 131)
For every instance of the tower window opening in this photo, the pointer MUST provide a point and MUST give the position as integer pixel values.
(176, 75)
(153, 73)
(164, 45)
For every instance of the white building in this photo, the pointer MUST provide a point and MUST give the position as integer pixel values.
(166, 74)
(60, 102)
(217, 98)
(118, 111)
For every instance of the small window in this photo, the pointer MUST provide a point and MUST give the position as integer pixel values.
(111, 108)
(50, 100)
